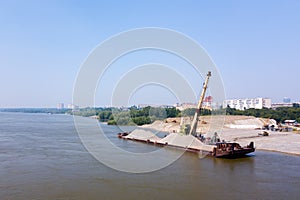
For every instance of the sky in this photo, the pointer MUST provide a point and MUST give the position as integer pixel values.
(254, 44)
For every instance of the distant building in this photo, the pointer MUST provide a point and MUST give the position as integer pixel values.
(153, 106)
(243, 104)
(278, 105)
(72, 106)
(184, 106)
(290, 122)
(207, 104)
(60, 106)
(286, 100)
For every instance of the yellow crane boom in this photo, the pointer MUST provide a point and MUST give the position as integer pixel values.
(196, 116)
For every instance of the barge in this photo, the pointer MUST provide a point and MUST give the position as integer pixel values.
(190, 143)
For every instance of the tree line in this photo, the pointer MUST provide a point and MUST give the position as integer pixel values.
(279, 114)
(147, 115)
(139, 116)
(134, 115)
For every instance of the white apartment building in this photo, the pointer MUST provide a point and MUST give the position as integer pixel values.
(60, 106)
(72, 106)
(243, 104)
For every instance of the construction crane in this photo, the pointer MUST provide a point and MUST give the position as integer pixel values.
(196, 116)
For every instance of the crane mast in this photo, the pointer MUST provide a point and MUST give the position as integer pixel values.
(196, 116)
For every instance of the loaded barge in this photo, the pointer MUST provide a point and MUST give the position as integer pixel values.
(190, 143)
(189, 140)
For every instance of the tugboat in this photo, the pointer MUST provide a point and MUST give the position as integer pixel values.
(232, 150)
(121, 135)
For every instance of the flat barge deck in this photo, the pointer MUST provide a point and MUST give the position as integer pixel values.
(189, 143)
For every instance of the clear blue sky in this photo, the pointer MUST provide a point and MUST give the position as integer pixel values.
(255, 44)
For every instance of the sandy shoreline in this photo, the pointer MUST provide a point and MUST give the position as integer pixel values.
(283, 142)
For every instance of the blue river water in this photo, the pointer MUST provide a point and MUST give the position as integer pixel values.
(42, 157)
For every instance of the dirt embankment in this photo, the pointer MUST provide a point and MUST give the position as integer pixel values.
(242, 129)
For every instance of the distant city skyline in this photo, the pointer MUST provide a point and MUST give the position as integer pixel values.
(262, 103)
(254, 44)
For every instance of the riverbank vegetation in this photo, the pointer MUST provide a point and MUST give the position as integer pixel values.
(141, 116)
(147, 115)
(35, 110)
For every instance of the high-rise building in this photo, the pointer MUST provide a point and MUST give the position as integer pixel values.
(72, 106)
(60, 106)
(243, 104)
(286, 100)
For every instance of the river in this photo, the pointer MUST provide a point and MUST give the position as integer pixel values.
(42, 157)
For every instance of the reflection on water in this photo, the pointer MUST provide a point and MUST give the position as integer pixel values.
(41, 157)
